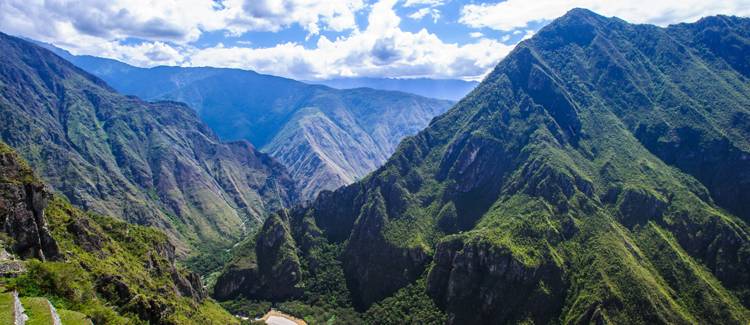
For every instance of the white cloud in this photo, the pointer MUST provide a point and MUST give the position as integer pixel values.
(514, 14)
(312, 15)
(421, 13)
(180, 21)
(382, 49)
(476, 34)
(431, 3)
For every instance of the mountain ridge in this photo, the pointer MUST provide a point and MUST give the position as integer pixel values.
(326, 137)
(583, 181)
(449, 89)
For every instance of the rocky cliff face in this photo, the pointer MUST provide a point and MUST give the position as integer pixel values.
(148, 163)
(22, 205)
(267, 268)
(479, 282)
(566, 187)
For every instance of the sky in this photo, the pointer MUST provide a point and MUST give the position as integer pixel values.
(321, 39)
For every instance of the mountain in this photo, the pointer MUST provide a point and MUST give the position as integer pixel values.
(450, 89)
(147, 163)
(110, 271)
(599, 174)
(326, 137)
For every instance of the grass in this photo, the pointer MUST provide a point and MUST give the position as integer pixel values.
(38, 311)
(69, 317)
(6, 308)
(125, 248)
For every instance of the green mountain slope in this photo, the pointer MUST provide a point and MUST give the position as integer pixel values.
(112, 272)
(326, 137)
(598, 175)
(147, 163)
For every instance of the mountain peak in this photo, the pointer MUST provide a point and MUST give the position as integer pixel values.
(580, 13)
(580, 16)
(579, 26)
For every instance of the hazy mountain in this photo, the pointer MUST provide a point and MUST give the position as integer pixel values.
(600, 174)
(450, 89)
(148, 163)
(326, 137)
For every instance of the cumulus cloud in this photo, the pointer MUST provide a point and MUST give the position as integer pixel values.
(312, 15)
(382, 49)
(177, 21)
(513, 14)
(180, 21)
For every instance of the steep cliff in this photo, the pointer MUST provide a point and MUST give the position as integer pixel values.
(22, 206)
(267, 267)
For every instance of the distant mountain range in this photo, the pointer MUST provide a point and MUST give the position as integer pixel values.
(600, 174)
(150, 163)
(326, 137)
(450, 89)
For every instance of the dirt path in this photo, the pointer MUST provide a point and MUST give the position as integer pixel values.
(275, 317)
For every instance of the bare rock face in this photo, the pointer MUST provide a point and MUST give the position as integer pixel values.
(22, 206)
(480, 282)
(637, 206)
(375, 268)
(268, 268)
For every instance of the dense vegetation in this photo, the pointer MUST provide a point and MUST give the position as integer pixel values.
(598, 175)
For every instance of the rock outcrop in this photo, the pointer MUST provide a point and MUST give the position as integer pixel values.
(374, 267)
(480, 282)
(268, 267)
(22, 205)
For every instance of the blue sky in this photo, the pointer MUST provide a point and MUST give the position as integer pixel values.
(317, 39)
